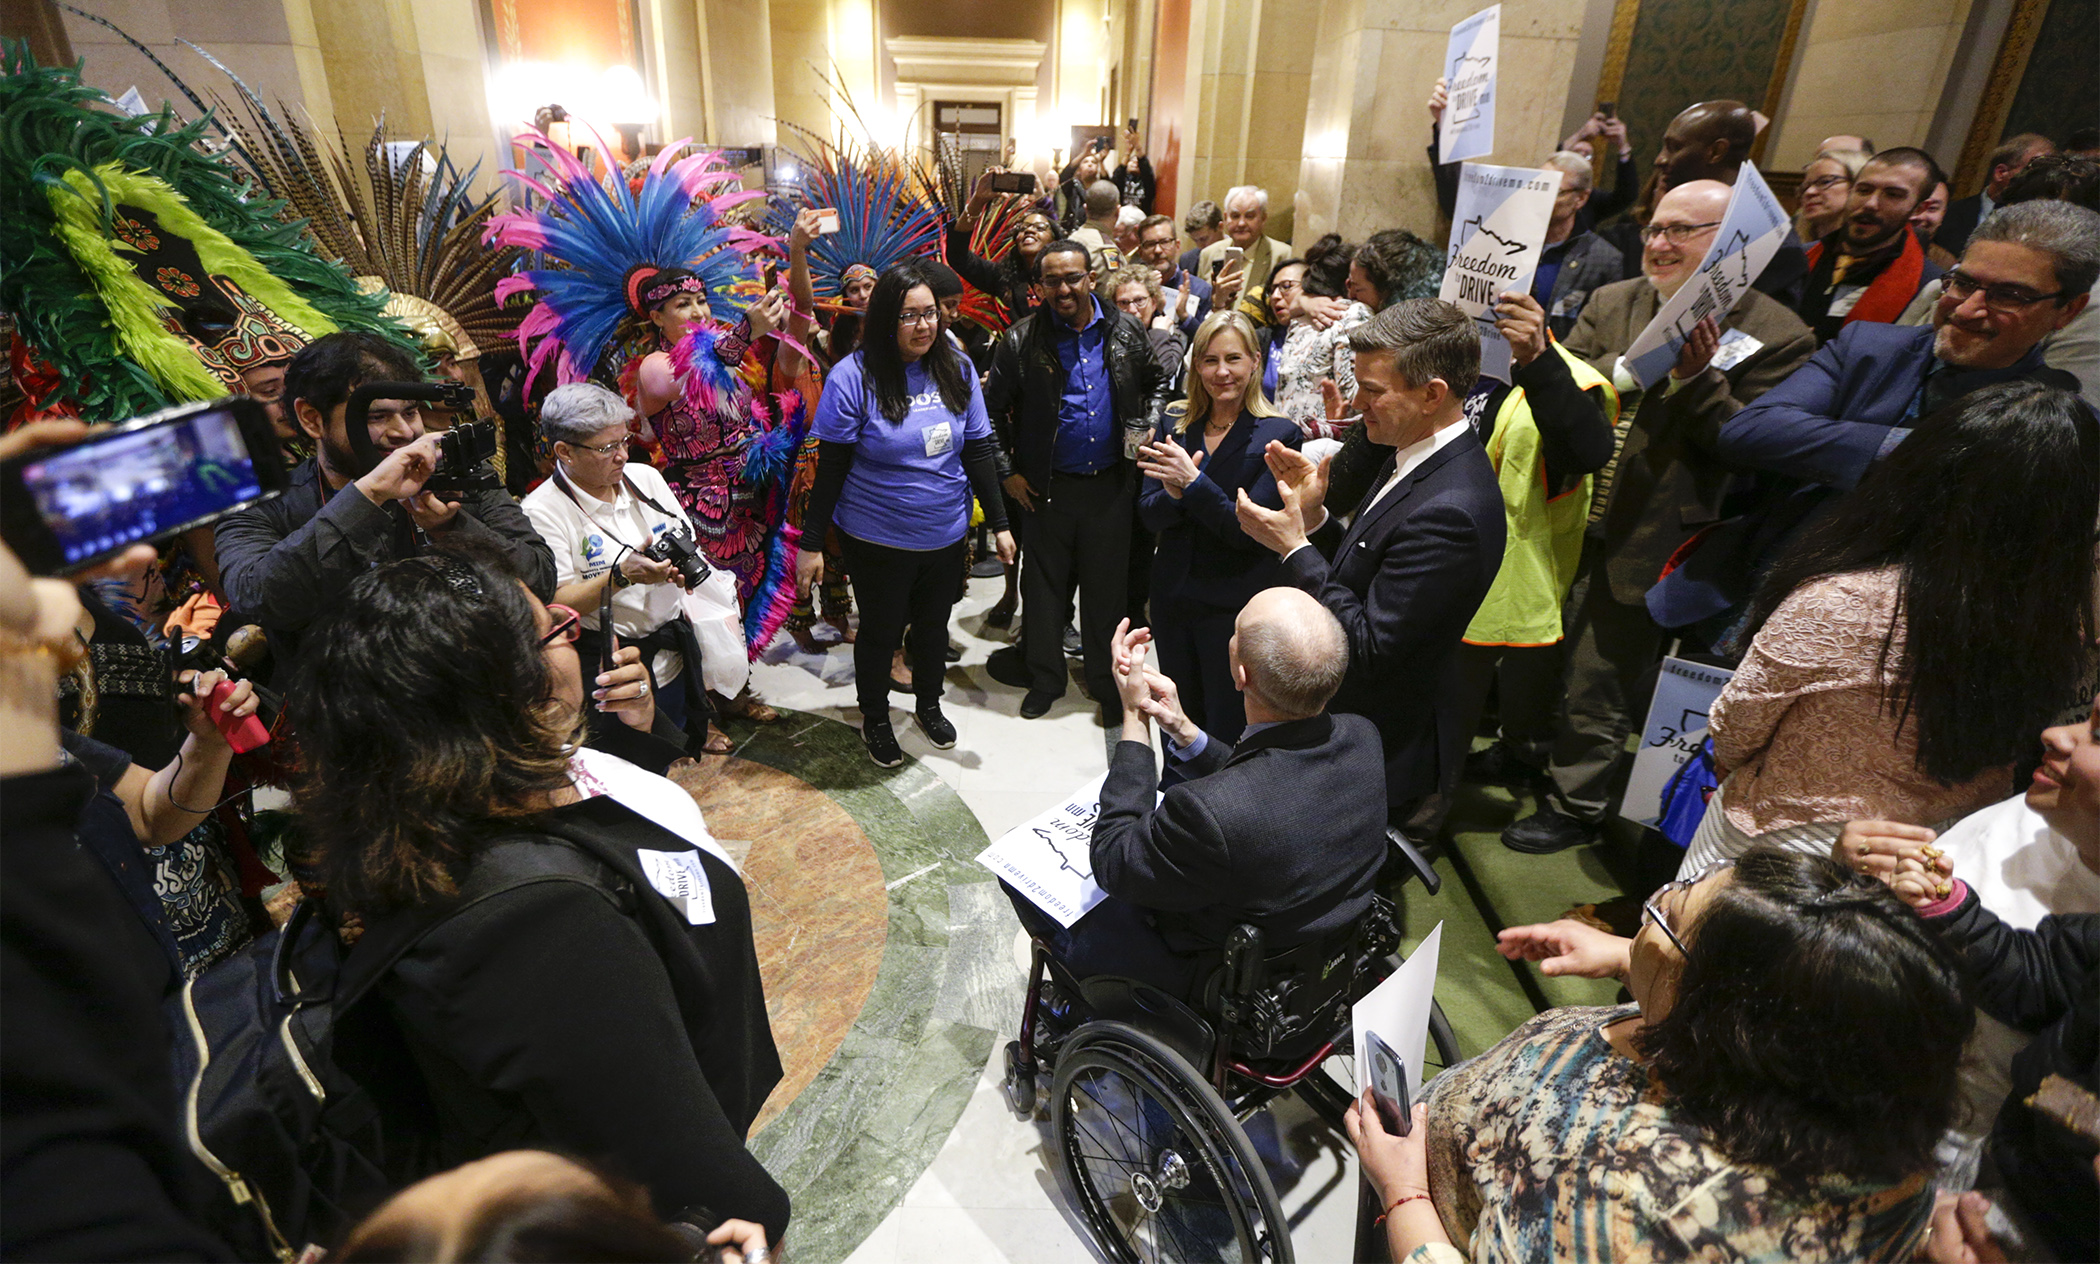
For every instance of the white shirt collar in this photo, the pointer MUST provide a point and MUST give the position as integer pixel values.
(1410, 458)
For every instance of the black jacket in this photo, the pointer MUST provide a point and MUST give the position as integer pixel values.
(284, 562)
(1002, 279)
(559, 1016)
(1027, 383)
(1286, 831)
(1405, 581)
(1203, 554)
(2045, 981)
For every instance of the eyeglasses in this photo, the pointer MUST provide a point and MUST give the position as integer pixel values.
(1032, 228)
(1678, 234)
(1999, 298)
(931, 316)
(601, 449)
(568, 625)
(1821, 183)
(1651, 908)
(1071, 281)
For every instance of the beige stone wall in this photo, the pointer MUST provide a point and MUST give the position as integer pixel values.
(1876, 68)
(270, 44)
(736, 49)
(454, 64)
(1374, 63)
(1250, 73)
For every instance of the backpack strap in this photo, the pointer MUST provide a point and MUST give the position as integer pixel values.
(506, 864)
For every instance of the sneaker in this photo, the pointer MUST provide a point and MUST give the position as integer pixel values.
(1037, 704)
(882, 743)
(1073, 647)
(936, 727)
(1547, 831)
(1006, 666)
(1498, 765)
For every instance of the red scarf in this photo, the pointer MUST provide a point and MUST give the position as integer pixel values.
(1891, 291)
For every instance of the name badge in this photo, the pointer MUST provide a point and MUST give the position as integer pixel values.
(940, 437)
(1736, 347)
(679, 878)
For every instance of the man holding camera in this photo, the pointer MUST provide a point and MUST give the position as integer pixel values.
(615, 525)
(285, 561)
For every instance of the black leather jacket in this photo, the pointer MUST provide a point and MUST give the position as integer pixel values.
(1027, 383)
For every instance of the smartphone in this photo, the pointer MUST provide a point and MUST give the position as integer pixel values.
(1022, 182)
(65, 509)
(1389, 1086)
(827, 221)
(772, 275)
(1133, 122)
(609, 643)
(1606, 107)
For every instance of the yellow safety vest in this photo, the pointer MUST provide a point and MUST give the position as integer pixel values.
(1545, 532)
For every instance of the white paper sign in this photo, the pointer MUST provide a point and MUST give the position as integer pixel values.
(1498, 227)
(1050, 859)
(1398, 1010)
(1676, 728)
(1751, 232)
(679, 878)
(1468, 128)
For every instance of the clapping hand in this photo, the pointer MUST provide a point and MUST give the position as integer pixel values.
(1336, 407)
(1127, 664)
(1173, 465)
(1901, 855)
(1306, 477)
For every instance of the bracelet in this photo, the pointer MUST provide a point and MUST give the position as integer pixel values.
(1397, 1202)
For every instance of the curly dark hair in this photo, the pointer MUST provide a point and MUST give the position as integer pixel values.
(1818, 1026)
(1988, 507)
(1400, 265)
(426, 723)
(1327, 266)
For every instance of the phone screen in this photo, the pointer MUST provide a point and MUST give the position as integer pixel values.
(1389, 1086)
(98, 497)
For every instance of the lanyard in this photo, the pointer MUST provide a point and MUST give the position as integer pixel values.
(561, 481)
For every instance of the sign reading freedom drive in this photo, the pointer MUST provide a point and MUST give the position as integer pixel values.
(1751, 232)
(1468, 129)
(1497, 229)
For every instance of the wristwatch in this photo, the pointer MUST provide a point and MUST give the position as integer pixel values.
(619, 577)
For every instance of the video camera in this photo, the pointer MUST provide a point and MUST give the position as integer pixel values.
(464, 451)
(676, 546)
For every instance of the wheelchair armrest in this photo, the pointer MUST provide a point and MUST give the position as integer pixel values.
(1244, 952)
(1417, 863)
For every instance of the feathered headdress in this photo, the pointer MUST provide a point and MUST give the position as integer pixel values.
(882, 219)
(607, 239)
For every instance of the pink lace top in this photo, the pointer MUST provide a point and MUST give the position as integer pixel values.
(1803, 727)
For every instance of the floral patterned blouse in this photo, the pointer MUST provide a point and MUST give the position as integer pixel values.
(1554, 1146)
(1309, 357)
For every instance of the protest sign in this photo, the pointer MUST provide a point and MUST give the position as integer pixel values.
(1049, 859)
(1468, 128)
(1751, 232)
(1497, 230)
(1676, 728)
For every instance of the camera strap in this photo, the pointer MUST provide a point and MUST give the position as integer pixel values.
(562, 481)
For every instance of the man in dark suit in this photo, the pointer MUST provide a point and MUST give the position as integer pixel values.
(1422, 550)
(1284, 829)
(1664, 483)
(2027, 272)
(2006, 161)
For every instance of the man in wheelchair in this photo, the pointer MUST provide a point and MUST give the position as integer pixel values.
(1283, 830)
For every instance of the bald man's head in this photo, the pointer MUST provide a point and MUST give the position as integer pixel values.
(1709, 141)
(1680, 229)
(1288, 654)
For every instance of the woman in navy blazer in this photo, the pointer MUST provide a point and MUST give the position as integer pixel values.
(1205, 451)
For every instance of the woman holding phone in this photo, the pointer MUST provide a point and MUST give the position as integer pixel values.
(903, 441)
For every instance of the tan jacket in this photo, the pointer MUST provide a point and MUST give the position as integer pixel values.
(1666, 483)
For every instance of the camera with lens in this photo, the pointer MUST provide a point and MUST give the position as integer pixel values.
(464, 452)
(676, 546)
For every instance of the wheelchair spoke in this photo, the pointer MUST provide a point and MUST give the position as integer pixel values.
(1108, 1113)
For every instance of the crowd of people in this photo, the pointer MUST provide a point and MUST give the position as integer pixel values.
(1268, 501)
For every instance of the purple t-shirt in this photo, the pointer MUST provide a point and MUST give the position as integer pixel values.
(907, 488)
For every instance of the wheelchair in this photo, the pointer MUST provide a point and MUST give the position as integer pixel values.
(1148, 1093)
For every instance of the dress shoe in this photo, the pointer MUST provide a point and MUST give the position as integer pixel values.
(954, 652)
(936, 727)
(882, 743)
(1547, 831)
(1037, 704)
(1006, 666)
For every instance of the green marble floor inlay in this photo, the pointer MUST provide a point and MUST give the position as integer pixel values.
(849, 1147)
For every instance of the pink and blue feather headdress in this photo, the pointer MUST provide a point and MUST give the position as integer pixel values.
(882, 220)
(610, 240)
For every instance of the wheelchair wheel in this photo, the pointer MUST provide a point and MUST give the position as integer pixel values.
(1160, 1168)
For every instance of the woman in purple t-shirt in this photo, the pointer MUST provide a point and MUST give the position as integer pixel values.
(902, 441)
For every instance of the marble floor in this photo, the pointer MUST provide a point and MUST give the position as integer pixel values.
(890, 1130)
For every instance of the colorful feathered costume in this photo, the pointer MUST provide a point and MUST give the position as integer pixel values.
(140, 269)
(727, 437)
